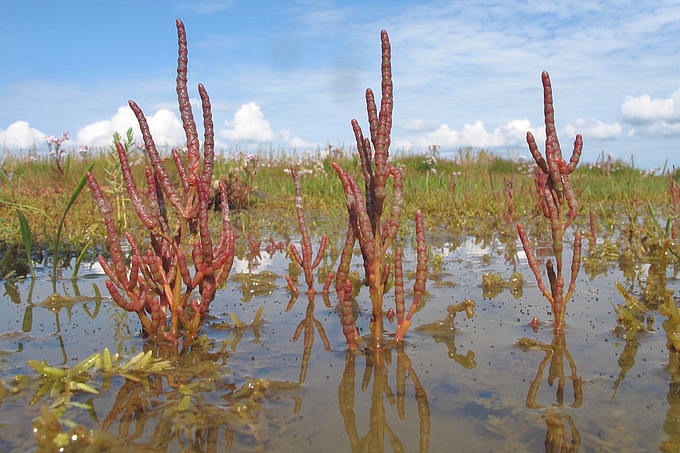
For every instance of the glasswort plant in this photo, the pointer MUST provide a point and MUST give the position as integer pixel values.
(554, 188)
(159, 279)
(366, 216)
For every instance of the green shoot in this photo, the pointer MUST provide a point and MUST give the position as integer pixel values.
(27, 239)
(71, 200)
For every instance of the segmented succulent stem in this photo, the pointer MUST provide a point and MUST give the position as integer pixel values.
(305, 260)
(399, 297)
(347, 318)
(292, 287)
(160, 278)
(421, 277)
(366, 224)
(345, 258)
(553, 188)
(533, 262)
(382, 141)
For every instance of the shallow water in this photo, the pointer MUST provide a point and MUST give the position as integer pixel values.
(465, 390)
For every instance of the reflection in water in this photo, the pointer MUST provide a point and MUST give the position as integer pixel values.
(308, 324)
(377, 369)
(671, 425)
(561, 432)
(626, 362)
(177, 406)
(444, 331)
(55, 303)
(178, 402)
(190, 403)
(255, 284)
(493, 285)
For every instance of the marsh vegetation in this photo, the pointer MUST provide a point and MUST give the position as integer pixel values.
(248, 301)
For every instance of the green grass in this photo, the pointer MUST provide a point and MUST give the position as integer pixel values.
(462, 191)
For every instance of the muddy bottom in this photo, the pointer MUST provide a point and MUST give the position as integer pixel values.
(468, 386)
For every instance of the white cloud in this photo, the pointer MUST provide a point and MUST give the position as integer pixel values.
(165, 126)
(654, 116)
(414, 124)
(656, 129)
(476, 135)
(644, 109)
(249, 124)
(593, 128)
(20, 135)
(296, 142)
(516, 131)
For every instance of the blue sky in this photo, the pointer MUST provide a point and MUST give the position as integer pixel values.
(293, 74)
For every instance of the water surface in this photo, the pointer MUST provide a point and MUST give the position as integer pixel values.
(469, 389)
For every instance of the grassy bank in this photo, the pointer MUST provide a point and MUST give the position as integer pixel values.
(456, 193)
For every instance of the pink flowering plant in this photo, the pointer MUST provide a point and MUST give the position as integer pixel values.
(57, 153)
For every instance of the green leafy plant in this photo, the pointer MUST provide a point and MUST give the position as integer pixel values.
(72, 199)
(27, 234)
(114, 175)
(27, 239)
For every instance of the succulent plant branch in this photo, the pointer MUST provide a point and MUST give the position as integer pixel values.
(553, 188)
(160, 279)
(304, 260)
(419, 286)
(366, 223)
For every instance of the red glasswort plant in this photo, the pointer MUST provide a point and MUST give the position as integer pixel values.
(159, 279)
(304, 260)
(554, 188)
(366, 217)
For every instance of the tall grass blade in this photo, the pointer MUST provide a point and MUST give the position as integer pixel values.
(604, 214)
(67, 166)
(79, 260)
(27, 239)
(71, 200)
(654, 220)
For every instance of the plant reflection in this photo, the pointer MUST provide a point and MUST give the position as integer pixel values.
(55, 303)
(493, 285)
(671, 425)
(626, 362)
(561, 432)
(255, 284)
(307, 325)
(378, 370)
(237, 327)
(444, 331)
(187, 400)
(178, 402)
